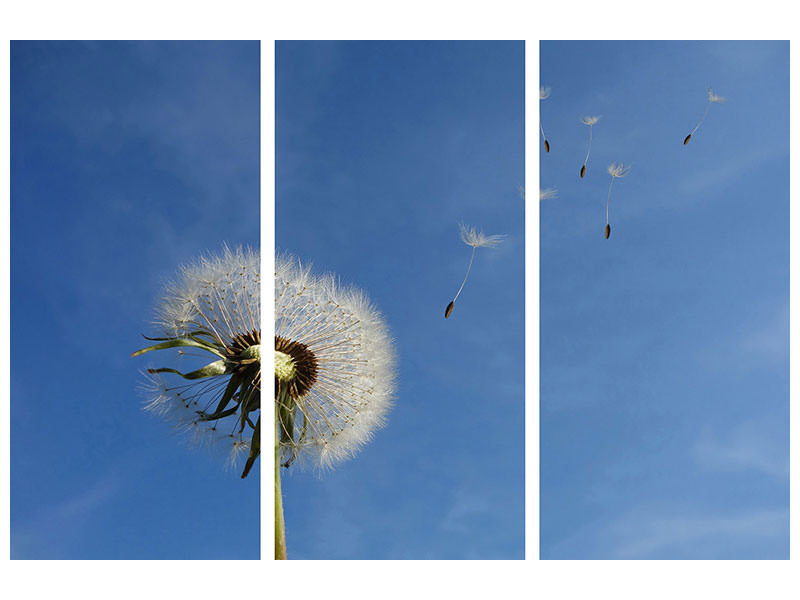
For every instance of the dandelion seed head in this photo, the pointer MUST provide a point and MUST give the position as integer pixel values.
(344, 379)
(544, 93)
(618, 170)
(712, 97)
(590, 120)
(548, 194)
(215, 304)
(477, 239)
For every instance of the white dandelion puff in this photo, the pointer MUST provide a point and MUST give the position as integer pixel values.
(544, 94)
(618, 170)
(477, 239)
(712, 98)
(212, 310)
(548, 194)
(334, 367)
(590, 121)
(615, 170)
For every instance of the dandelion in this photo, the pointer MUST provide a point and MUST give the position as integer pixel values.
(334, 372)
(712, 97)
(213, 310)
(476, 239)
(548, 193)
(590, 121)
(544, 94)
(615, 170)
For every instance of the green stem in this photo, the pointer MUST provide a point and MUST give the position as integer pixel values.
(280, 526)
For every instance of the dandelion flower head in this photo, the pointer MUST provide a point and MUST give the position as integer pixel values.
(334, 366)
(618, 170)
(544, 93)
(477, 239)
(212, 310)
(590, 120)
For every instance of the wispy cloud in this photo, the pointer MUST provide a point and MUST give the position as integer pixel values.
(762, 341)
(48, 532)
(709, 535)
(467, 505)
(749, 447)
(727, 173)
(649, 533)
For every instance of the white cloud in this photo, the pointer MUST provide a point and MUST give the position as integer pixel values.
(49, 531)
(751, 447)
(652, 533)
(656, 536)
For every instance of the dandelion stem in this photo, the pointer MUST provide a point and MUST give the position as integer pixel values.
(280, 526)
(608, 200)
(467, 275)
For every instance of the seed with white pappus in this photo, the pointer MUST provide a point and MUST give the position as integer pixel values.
(471, 237)
(590, 121)
(544, 93)
(712, 98)
(616, 171)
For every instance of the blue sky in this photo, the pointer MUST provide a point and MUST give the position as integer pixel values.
(127, 160)
(665, 349)
(382, 149)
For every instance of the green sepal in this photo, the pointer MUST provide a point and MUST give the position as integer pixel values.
(176, 342)
(249, 400)
(209, 370)
(216, 415)
(233, 384)
(255, 448)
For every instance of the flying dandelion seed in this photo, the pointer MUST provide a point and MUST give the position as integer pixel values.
(544, 93)
(590, 121)
(615, 170)
(476, 239)
(712, 98)
(214, 309)
(334, 373)
(548, 194)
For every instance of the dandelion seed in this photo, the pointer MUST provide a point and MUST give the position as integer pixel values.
(214, 308)
(548, 194)
(590, 121)
(544, 94)
(476, 239)
(615, 170)
(712, 98)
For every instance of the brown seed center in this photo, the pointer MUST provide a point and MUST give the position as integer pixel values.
(305, 364)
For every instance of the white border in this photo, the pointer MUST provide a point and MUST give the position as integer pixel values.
(413, 19)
